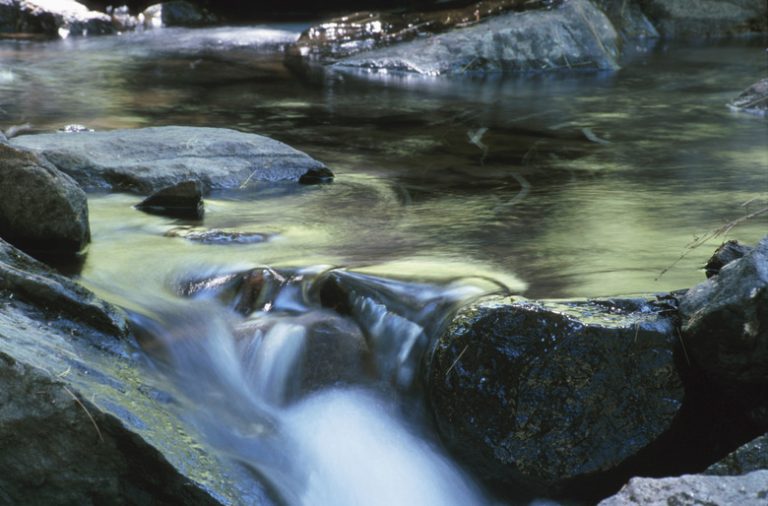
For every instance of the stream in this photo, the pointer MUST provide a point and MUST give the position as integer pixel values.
(556, 186)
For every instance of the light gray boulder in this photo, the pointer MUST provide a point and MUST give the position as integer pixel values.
(52, 18)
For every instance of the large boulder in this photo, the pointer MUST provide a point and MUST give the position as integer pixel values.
(753, 100)
(706, 18)
(690, 490)
(148, 159)
(80, 421)
(556, 396)
(42, 209)
(725, 328)
(59, 18)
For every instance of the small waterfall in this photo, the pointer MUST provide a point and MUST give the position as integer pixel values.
(245, 373)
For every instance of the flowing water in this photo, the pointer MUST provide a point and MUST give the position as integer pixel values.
(548, 185)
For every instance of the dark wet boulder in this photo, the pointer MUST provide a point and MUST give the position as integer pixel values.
(723, 255)
(80, 420)
(706, 18)
(42, 209)
(182, 200)
(753, 456)
(753, 100)
(556, 398)
(146, 160)
(574, 35)
(52, 19)
(746, 490)
(217, 236)
(725, 329)
(178, 13)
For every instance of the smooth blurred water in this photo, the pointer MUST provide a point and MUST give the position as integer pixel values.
(548, 185)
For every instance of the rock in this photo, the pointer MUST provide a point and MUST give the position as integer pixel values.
(178, 13)
(629, 19)
(216, 236)
(725, 327)
(42, 209)
(59, 18)
(753, 100)
(146, 160)
(81, 422)
(574, 35)
(182, 200)
(556, 397)
(725, 254)
(747, 490)
(317, 176)
(706, 18)
(753, 456)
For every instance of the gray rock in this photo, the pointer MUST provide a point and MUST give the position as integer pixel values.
(549, 395)
(628, 18)
(706, 18)
(753, 456)
(53, 19)
(42, 209)
(217, 236)
(723, 255)
(575, 35)
(181, 13)
(694, 490)
(182, 200)
(148, 159)
(80, 421)
(753, 100)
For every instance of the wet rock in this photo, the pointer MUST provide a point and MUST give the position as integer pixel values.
(573, 35)
(75, 128)
(725, 328)
(753, 456)
(753, 100)
(182, 200)
(706, 18)
(747, 490)
(78, 421)
(725, 254)
(146, 160)
(317, 176)
(42, 209)
(554, 397)
(178, 13)
(216, 236)
(629, 19)
(59, 18)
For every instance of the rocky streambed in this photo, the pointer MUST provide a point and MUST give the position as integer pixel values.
(203, 398)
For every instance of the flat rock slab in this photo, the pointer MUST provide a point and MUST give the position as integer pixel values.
(146, 160)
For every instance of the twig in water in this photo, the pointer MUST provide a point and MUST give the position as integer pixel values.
(682, 343)
(466, 347)
(79, 403)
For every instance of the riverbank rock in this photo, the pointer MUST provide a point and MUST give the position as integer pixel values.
(177, 13)
(753, 456)
(182, 200)
(42, 209)
(753, 100)
(81, 422)
(556, 397)
(725, 329)
(723, 255)
(706, 18)
(60, 18)
(146, 160)
(573, 35)
(747, 490)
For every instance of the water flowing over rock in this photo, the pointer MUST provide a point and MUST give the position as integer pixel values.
(59, 18)
(41, 209)
(216, 236)
(725, 328)
(747, 490)
(552, 395)
(707, 18)
(148, 159)
(81, 422)
(182, 200)
(753, 100)
(574, 35)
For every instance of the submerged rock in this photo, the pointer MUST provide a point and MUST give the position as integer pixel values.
(753, 100)
(747, 490)
(552, 396)
(753, 456)
(725, 328)
(59, 18)
(574, 35)
(81, 422)
(706, 18)
(41, 209)
(182, 200)
(145, 160)
(216, 236)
